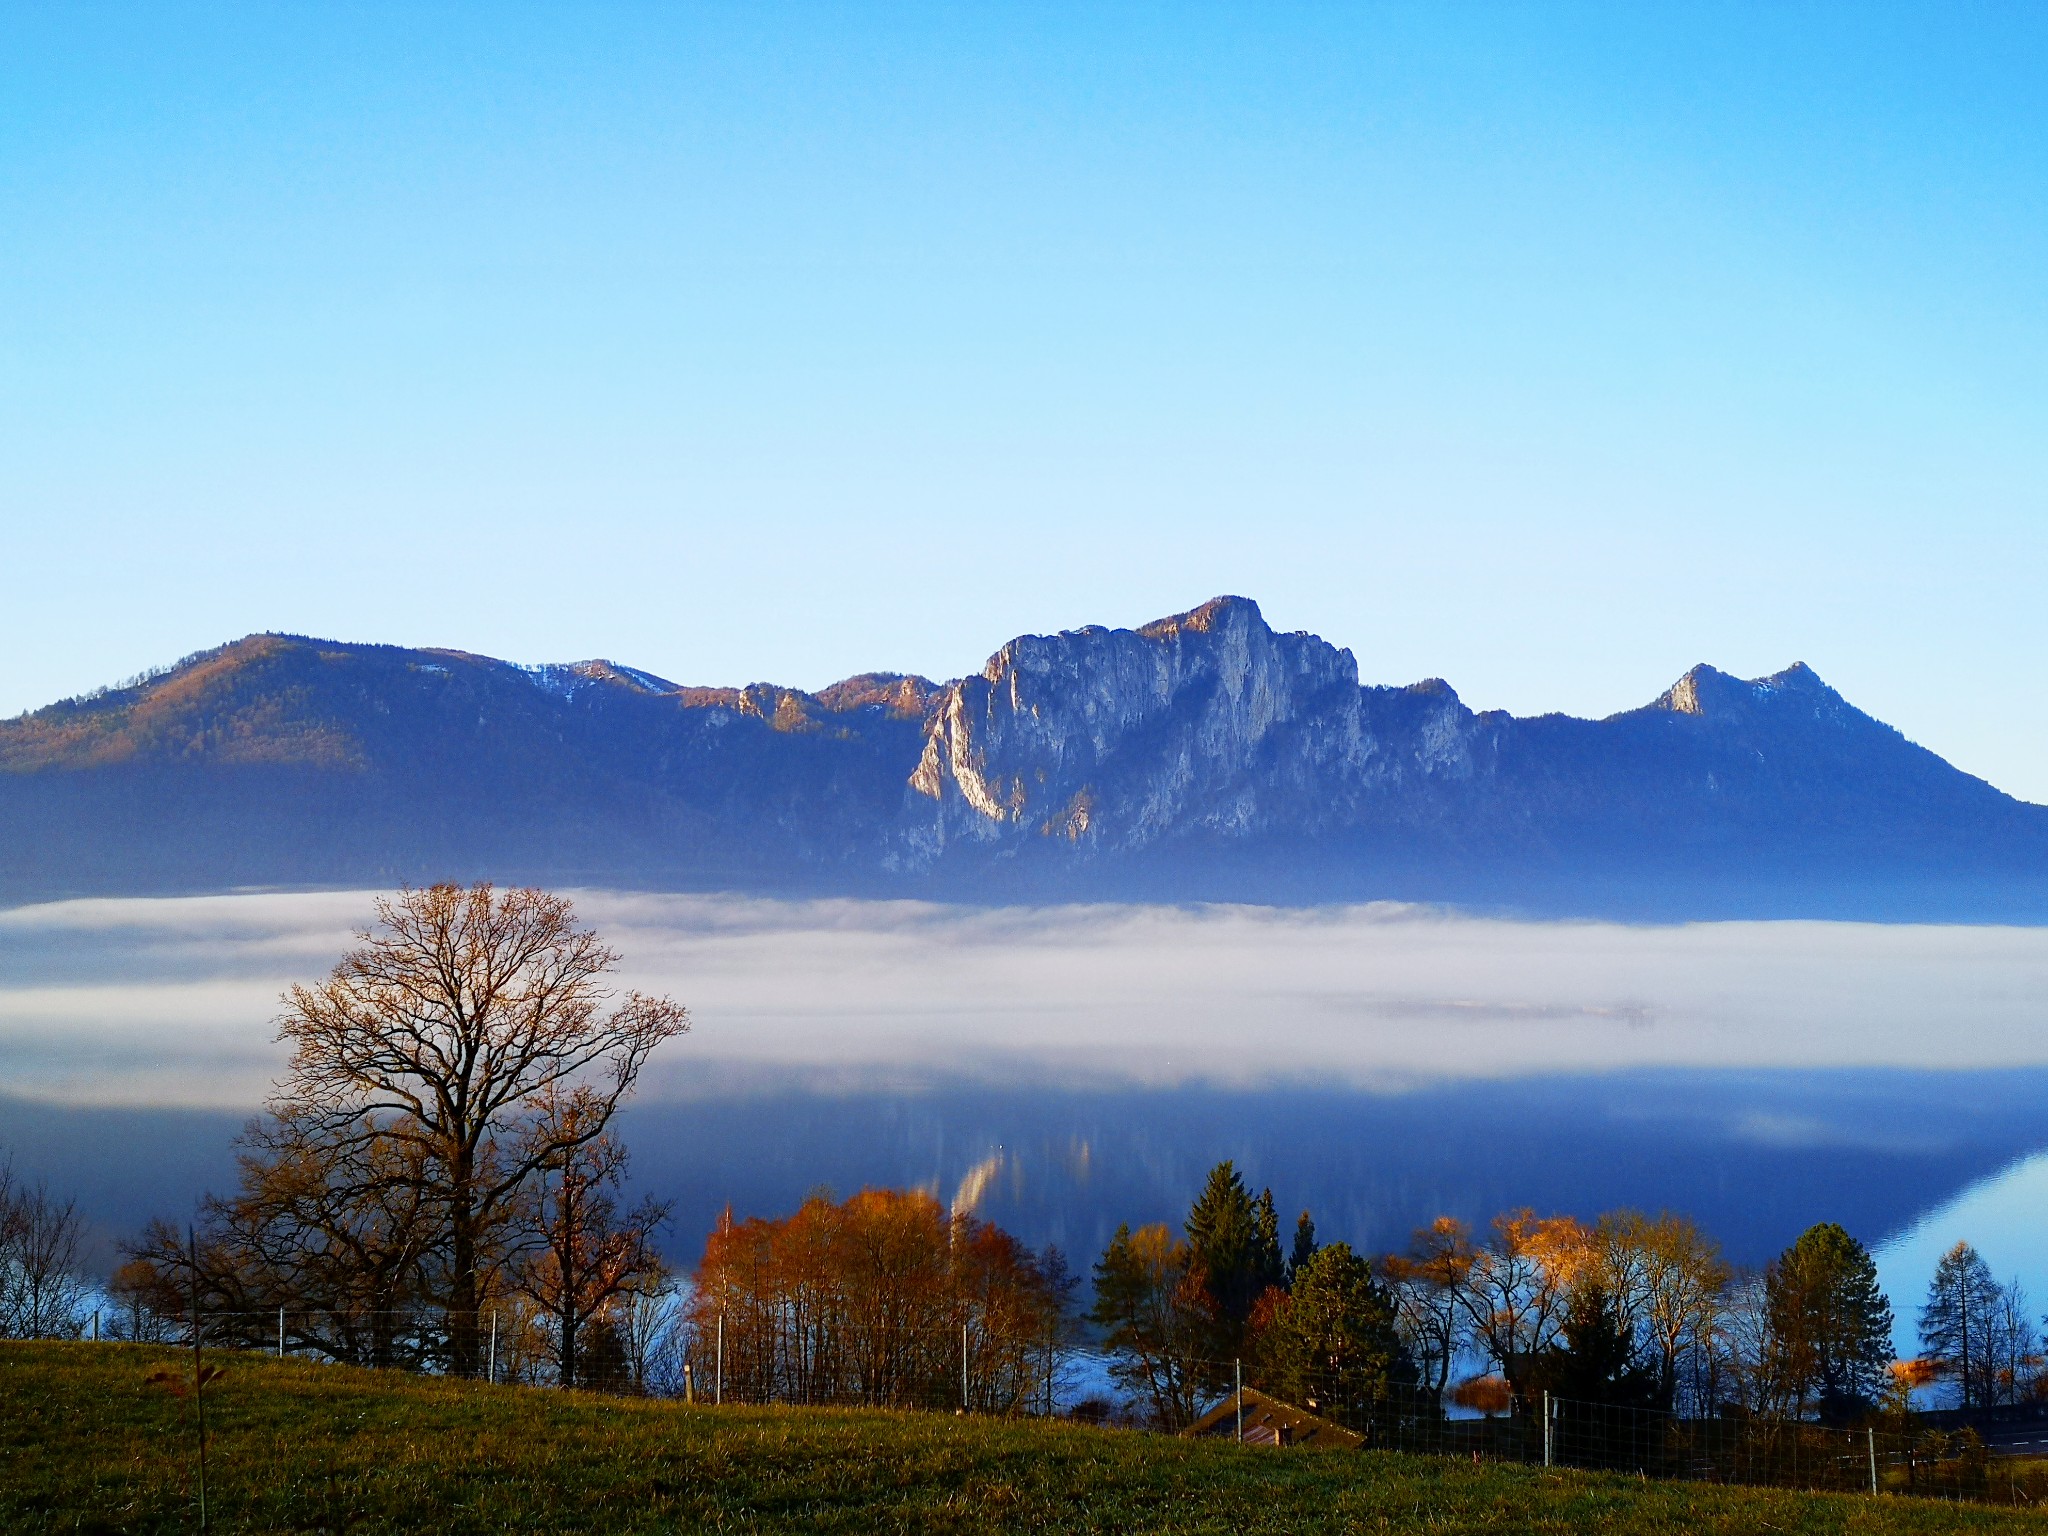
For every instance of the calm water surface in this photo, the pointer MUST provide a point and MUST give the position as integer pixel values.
(1069, 1069)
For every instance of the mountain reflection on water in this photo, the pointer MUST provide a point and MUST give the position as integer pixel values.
(1754, 1156)
(1085, 1066)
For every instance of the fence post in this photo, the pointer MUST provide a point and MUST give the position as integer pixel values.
(491, 1370)
(1237, 1367)
(280, 1333)
(1546, 1429)
(1872, 1433)
(198, 1373)
(718, 1381)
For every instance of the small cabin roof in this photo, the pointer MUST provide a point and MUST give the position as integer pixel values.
(1269, 1421)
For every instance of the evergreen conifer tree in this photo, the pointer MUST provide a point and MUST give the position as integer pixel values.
(1330, 1344)
(1223, 1233)
(1268, 1269)
(1597, 1360)
(1957, 1323)
(1830, 1325)
(1304, 1246)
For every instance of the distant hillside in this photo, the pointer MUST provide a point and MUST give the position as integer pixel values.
(1202, 757)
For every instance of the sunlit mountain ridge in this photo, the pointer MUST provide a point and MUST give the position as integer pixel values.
(1202, 757)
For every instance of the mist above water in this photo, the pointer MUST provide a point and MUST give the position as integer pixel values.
(172, 1001)
(1070, 1068)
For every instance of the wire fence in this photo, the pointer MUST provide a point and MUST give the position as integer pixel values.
(965, 1367)
(1890, 1454)
(506, 1343)
(958, 1368)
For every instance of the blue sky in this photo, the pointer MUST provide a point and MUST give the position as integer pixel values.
(1546, 349)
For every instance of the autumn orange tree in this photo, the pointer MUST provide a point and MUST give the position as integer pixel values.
(1518, 1287)
(885, 1299)
(1158, 1321)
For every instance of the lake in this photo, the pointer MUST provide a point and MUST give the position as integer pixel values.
(1070, 1068)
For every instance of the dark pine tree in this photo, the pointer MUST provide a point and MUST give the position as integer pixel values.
(1304, 1246)
(1830, 1325)
(1267, 1268)
(1235, 1243)
(1958, 1321)
(1223, 1232)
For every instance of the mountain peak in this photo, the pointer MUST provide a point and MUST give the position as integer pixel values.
(1799, 675)
(1217, 613)
(904, 695)
(1692, 693)
(1708, 690)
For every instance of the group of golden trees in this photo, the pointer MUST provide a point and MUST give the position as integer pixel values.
(1642, 1311)
(439, 1154)
(886, 1298)
(1627, 1311)
(1613, 1311)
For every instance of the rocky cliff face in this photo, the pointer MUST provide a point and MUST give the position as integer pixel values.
(1204, 756)
(1108, 740)
(1207, 726)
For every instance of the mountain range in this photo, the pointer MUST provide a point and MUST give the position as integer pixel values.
(1203, 757)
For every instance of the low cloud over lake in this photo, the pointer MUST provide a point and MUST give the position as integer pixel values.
(171, 1001)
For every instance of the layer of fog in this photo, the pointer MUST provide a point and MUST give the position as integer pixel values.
(173, 1001)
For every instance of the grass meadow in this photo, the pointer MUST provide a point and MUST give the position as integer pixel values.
(90, 1443)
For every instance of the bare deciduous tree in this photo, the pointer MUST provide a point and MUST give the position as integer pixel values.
(447, 1033)
(1429, 1284)
(588, 1256)
(1518, 1286)
(1668, 1280)
(41, 1294)
(330, 1234)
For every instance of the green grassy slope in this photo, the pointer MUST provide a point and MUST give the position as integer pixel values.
(88, 1444)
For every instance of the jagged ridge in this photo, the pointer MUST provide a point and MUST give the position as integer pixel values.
(1203, 755)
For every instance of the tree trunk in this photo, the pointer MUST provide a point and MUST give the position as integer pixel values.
(462, 1289)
